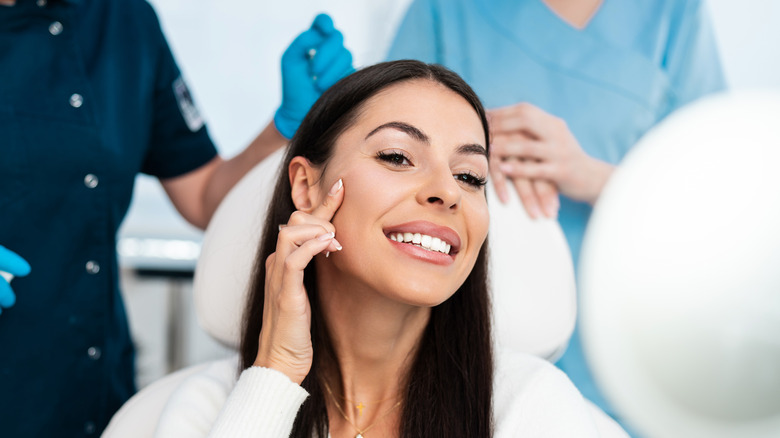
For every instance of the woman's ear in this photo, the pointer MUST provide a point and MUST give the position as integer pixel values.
(303, 178)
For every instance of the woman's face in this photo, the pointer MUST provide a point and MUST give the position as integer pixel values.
(414, 215)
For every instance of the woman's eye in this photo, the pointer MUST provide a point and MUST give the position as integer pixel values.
(470, 179)
(394, 158)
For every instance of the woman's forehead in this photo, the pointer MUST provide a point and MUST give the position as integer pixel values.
(424, 104)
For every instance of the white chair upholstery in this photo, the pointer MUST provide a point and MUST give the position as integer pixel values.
(138, 417)
(532, 280)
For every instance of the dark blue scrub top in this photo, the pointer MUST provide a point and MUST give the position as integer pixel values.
(90, 95)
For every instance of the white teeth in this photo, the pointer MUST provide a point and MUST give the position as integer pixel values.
(423, 240)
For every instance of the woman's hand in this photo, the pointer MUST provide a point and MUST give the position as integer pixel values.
(285, 339)
(531, 146)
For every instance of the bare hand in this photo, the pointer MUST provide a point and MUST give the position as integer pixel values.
(538, 196)
(534, 145)
(285, 339)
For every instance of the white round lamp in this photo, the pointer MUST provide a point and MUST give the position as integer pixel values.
(680, 274)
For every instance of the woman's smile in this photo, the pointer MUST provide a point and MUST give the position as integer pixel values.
(425, 240)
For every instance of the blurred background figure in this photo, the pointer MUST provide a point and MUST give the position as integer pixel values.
(574, 84)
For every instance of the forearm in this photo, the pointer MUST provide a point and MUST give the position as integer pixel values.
(227, 173)
(597, 177)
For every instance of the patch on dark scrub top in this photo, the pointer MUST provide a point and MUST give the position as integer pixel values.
(187, 105)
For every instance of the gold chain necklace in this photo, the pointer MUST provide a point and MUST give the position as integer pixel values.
(360, 405)
(359, 431)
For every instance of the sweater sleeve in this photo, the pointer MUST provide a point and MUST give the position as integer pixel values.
(262, 404)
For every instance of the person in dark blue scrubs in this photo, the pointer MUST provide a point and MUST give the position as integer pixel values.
(90, 96)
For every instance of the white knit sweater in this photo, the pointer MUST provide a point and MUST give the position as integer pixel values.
(531, 399)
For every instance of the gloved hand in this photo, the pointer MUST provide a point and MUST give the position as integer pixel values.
(12, 264)
(314, 61)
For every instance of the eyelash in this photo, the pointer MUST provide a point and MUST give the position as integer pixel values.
(399, 159)
(394, 158)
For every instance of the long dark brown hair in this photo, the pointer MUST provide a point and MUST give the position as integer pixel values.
(449, 389)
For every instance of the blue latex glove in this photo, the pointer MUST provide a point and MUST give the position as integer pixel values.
(314, 61)
(11, 263)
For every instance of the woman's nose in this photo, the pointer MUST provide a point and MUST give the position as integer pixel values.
(441, 190)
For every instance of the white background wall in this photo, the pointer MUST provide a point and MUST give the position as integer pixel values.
(229, 51)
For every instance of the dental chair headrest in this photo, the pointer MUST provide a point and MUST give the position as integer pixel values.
(227, 256)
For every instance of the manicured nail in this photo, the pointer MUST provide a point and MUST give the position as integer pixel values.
(338, 245)
(326, 236)
(535, 212)
(327, 253)
(336, 187)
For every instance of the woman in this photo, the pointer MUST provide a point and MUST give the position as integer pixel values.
(369, 311)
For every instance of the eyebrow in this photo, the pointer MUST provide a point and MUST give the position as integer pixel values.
(410, 130)
(466, 149)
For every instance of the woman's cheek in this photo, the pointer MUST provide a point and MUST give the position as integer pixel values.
(480, 219)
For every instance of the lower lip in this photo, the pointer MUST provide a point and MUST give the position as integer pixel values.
(418, 252)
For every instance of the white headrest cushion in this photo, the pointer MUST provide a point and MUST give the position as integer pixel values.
(228, 253)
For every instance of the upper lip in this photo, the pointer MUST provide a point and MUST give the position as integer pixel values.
(424, 227)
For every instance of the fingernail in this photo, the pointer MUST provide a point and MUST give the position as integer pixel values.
(336, 187)
(326, 236)
(535, 213)
(327, 253)
(338, 245)
(505, 167)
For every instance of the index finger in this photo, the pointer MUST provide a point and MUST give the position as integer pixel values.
(13, 263)
(522, 117)
(331, 203)
(323, 24)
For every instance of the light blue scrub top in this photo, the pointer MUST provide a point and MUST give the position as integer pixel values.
(634, 63)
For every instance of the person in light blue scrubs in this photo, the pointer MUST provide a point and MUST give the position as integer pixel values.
(573, 85)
